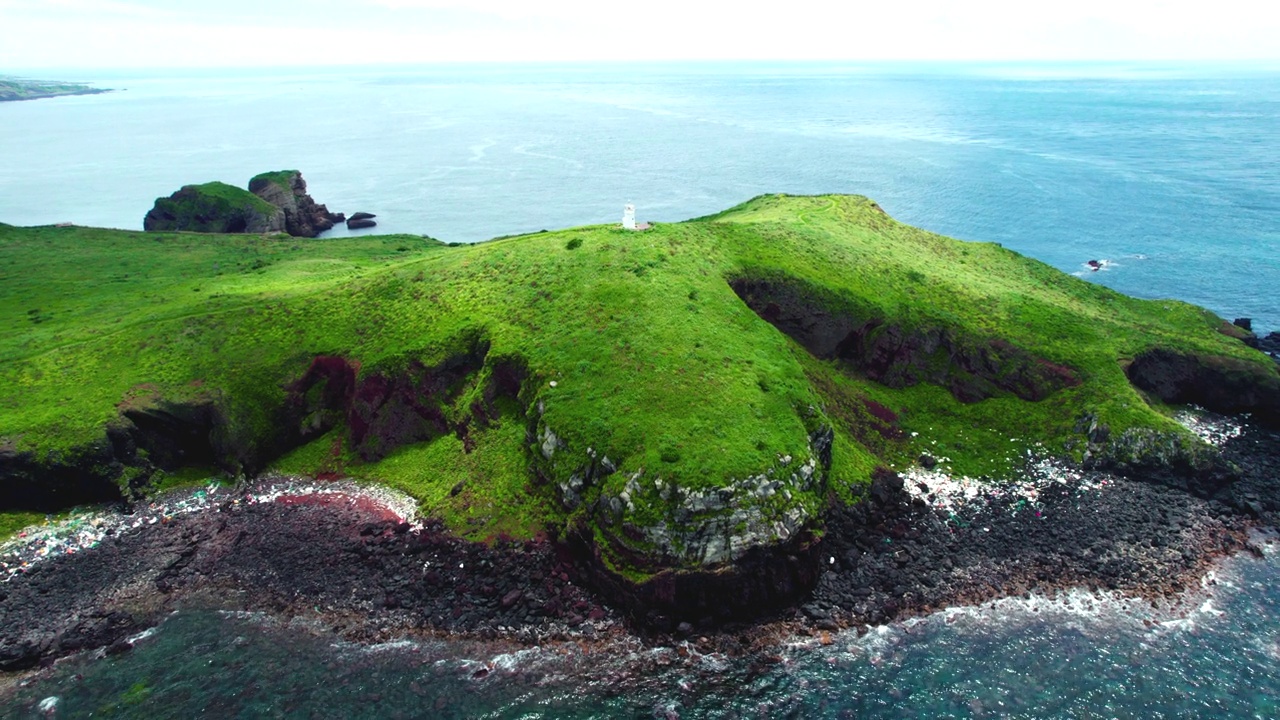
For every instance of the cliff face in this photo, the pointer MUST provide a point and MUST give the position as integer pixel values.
(1222, 384)
(303, 216)
(972, 368)
(214, 208)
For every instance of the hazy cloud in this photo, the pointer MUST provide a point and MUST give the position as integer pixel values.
(92, 33)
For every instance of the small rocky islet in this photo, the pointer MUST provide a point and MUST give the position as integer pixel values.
(735, 426)
(276, 202)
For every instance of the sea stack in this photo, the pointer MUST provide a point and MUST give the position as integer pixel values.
(286, 189)
(275, 202)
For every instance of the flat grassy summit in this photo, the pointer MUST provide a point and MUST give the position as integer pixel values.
(678, 400)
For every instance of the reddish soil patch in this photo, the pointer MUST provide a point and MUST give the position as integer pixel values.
(376, 511)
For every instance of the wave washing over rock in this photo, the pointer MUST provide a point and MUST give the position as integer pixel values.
(1070, 653)
(291, 563)
(345, 552)
(84, 530)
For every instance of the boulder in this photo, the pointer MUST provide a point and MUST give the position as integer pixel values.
(214, 208)
(286, 189)
(1270, 343)
(361, 220)
(362, 216)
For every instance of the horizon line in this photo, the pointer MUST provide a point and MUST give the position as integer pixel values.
(1267, 64)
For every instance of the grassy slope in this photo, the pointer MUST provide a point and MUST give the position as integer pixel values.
(882, 267)
(657, 363)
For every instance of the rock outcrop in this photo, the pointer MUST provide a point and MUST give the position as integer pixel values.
(214, 208)
(361, 220)
(1221, 384)
(972, 368)
(274, 202)
(286, 189)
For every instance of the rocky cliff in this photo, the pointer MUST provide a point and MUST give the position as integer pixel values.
(303, 216)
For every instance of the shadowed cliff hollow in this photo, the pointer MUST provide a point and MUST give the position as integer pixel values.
(681, 405)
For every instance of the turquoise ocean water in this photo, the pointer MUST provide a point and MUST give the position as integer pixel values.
(1170, 173)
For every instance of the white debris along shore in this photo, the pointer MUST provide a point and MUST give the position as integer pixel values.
(84, 529)
(959, 496)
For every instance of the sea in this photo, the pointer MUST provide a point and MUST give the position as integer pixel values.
(1166, 175)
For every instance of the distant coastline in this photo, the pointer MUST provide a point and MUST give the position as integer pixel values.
(13, 89)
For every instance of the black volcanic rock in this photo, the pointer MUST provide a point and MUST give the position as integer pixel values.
(1220, 384)
(361, 220)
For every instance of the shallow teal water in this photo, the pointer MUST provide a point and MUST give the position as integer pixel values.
(1087, 657)
(1167, 171)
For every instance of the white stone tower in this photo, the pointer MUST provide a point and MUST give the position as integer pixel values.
(629, 216)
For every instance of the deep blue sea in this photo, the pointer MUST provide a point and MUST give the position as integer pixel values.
(1170, 173)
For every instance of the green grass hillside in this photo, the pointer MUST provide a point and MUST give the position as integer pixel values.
(628, 346)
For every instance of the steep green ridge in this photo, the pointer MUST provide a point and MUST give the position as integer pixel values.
(592, 377)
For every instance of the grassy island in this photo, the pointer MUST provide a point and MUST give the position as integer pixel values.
(677, 397)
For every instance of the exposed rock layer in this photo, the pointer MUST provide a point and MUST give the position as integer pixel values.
(891, 353)
(372, 578)
(383, 410)
(1221, 384)
(289, 556)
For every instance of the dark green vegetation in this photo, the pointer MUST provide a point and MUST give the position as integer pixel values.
(282, 178)
(633, 388)
(14, 88)
(214, 207)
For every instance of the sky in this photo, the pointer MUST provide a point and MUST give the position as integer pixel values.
(104, 34)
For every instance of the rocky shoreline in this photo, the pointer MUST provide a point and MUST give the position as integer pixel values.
(343, 557)
(361, 566)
